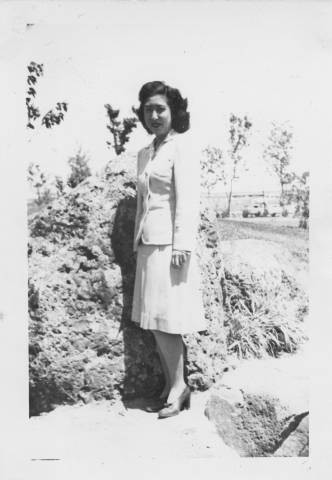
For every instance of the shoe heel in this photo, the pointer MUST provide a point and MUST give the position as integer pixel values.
(186, 403)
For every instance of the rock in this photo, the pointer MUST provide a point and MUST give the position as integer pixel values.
(260, 407)
(257, 426)
(297, 443)
(81, 278)
(233, 396)
(285, 377)
(252, 428)
(82, 342)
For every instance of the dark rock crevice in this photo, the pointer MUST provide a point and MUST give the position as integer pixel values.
(293, 424)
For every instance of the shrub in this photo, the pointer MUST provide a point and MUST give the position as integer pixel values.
(256, 328)
(79, 169)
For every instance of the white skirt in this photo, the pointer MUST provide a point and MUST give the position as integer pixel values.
(166, 298)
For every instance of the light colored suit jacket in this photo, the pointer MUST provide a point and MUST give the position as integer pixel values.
(168, 193)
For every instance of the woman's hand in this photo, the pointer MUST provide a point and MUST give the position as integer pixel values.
(179, 257)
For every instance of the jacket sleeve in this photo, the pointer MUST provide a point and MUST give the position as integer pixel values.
(187, 195)
(138, 207)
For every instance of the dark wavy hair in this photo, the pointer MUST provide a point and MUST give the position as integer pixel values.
(177, 104)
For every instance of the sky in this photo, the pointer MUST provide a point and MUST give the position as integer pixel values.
(258, 59)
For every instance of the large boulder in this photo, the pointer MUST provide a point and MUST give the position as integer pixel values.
(261, 407)
(83, 345)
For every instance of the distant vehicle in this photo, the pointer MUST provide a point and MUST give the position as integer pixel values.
(275, 210)
(255, 210)
(261, 209)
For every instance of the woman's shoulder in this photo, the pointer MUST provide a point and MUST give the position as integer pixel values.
(183, 137)
(187, 143)
(143, 152)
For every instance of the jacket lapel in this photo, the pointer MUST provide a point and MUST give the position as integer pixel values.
(150, 152)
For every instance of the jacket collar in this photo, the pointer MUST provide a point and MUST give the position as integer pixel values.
(170, 136)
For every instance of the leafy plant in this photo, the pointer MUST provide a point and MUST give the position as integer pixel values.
(120, 130)
(219, 167)
(212, 167)
(277, 154)
(59, 185)
(257, 329)
(300, 194)
(80, 169)
(39, 182)
(52, 117)
(238, 139)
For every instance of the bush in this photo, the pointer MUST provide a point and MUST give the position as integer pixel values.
(79, 169)
(258, 328)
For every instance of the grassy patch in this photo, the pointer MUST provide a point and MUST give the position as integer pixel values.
(265, 302)
(262, 327)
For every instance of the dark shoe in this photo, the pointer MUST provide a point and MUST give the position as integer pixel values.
(171, 409)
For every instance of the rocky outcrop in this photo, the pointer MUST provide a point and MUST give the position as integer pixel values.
(83, 345)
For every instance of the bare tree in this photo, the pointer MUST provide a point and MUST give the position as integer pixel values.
(277, 154)
(218, 167)
(238, 139)
(120, 130)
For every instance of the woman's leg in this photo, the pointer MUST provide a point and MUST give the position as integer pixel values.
(164, 367)
(171, 347)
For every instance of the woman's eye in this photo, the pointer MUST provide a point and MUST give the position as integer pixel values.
(151, 109)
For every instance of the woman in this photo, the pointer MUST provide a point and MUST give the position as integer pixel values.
(167, 299)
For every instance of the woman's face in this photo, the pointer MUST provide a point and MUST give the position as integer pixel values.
(157, 115)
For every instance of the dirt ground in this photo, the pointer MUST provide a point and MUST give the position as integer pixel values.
(105, 432)
(263, 228)
(281, 230)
